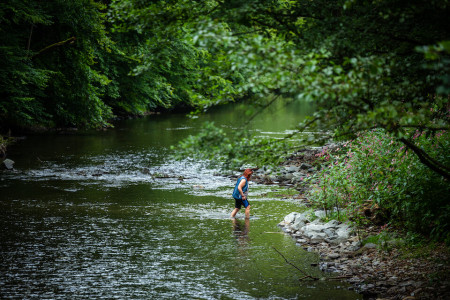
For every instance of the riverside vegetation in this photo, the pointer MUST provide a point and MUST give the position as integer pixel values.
(364, 240)
(361, 207)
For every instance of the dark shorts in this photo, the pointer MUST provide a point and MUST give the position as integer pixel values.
(239, 203)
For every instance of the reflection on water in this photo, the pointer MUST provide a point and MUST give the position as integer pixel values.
(105, 216)
(241, 229)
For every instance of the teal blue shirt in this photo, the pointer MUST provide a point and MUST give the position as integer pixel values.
(236, 194)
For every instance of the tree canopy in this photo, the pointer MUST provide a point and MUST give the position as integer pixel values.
(365, 64)
(79, 63)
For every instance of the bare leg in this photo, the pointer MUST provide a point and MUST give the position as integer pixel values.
(247, 212)
(234, 212)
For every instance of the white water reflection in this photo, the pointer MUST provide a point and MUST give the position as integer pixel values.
(125, 169)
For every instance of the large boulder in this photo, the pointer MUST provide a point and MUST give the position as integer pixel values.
(314, 227)
(315, 231)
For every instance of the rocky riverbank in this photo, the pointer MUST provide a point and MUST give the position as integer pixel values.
(374, 273)
(293, 172)
(381, 270)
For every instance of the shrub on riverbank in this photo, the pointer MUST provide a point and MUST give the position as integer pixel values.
(376, 171)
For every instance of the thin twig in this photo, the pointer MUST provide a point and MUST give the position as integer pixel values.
(29, 37)
(275, 97)
(70, 40)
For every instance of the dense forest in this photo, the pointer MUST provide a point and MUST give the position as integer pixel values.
(80, 63)
(375, 69)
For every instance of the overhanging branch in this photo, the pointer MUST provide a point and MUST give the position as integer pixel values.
(427, 160)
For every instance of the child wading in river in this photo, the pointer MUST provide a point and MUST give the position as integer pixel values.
(240, 193)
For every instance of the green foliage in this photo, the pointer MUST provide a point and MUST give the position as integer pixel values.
(20, 82)
(438, 60)
(234, 149)
(375, 167)
(75, 63)
(4, 142)
(339, 215)
(384, 240)
(172, 68)
(49, 75)
(365, 65)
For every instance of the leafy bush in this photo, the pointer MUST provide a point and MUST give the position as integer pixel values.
(375, 168)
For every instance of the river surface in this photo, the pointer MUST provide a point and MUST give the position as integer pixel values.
(108, 215)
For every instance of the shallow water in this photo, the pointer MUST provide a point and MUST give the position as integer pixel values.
(108, 215)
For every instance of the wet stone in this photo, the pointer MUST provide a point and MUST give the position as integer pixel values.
(305, 166)
(8, 164)
(334, 255)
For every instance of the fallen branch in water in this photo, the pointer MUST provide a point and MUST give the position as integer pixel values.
(303, 272)
(309, 276)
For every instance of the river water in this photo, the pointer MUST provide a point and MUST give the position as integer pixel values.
(108, 215)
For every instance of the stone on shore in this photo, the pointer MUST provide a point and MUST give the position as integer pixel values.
(290, 218)
(7, 164)
(305, 166)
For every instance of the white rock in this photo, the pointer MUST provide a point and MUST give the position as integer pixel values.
(319, 235)
(299, 223)
(298, 175)
(288, 176)
(9, 164)
(282, 224)
(320, 214)
(332, 224)
(292, 169)
(330, 233)
(314, 227)
(290, 218)
(338, 240)
(333, 255)
(343, 231)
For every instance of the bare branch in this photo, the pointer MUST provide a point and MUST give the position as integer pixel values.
(288, 262)
(62, 43)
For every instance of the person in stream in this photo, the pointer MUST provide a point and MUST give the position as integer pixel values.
(240, 194)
